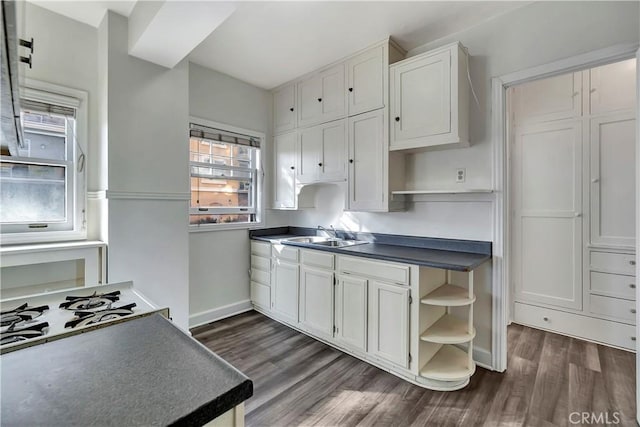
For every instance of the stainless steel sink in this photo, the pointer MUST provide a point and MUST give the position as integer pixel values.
(307, 239)
(340, 243)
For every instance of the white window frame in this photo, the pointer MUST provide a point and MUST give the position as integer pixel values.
(259, 181)
(77, 99)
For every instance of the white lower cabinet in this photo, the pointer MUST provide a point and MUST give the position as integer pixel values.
(389, 322)
(351, 312)
(284, 302)
(316, 300)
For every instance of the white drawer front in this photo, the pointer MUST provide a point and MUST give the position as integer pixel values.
(285, 252)
(261, 276)
(261, 295)
(261, 248)
(613, 263)
(621, 309)
(615, 285)
(599, 330)
(377, 269)
(317, 259)
(260, 263)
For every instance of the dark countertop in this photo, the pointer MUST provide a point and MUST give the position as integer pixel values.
(450, 254)
(144, 371)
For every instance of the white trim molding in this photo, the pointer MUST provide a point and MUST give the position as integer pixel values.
(97, 195)
(219, 313)
(134, 195)
(501, 173)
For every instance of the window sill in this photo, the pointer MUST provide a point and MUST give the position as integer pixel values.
(43, 238)
(224, 227)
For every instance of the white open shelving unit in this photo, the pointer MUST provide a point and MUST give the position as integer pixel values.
(446, 338)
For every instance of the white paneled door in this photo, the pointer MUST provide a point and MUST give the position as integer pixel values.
(316, 300)
(547, 216)
(284, 176)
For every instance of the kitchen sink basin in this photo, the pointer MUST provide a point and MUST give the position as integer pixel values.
(307, 239)
(340, 243)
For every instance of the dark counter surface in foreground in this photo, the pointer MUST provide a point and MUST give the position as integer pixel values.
(144, 371)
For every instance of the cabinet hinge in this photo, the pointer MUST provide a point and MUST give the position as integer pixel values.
(410, 358)
(335, 281)
(334, 329)
(410, 299)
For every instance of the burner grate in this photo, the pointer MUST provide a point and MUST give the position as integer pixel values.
(91, 302)
(20, 314)
(12, 334)
(85, 318)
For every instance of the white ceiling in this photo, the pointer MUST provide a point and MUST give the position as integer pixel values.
(267, 43)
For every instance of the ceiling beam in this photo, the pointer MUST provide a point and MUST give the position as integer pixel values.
(165, 32)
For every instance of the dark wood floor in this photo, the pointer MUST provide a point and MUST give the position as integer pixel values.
(300, 381)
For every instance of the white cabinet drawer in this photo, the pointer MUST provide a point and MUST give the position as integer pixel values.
(317, 259)
(260, 263)
(615, 285)
(613, 262)
(261, 295)
(621, 309)
(261, 248)
(394, 273)
(285, 252)
(261, 276)
(599, 330)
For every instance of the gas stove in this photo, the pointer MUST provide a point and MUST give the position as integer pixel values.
(36, 319)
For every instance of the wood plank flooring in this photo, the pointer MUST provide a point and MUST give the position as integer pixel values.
(300, 381)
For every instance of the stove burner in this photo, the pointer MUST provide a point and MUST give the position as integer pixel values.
(21, 314)
(11, 334)
(91, 302)
(85, 318)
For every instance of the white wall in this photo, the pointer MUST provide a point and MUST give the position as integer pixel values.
(219, 260)
(529, 36)
(146, 114)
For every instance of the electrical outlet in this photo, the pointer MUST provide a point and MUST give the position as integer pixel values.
(461, 174)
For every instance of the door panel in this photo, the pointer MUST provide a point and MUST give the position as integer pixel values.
(351, 312)
(316, 300)
(613, 145)
(285, 291)
(309, 147)
(389, 322)
(366, 86)
(422, 104)
(613, 87)
(334, 151)
(284, 109)
(284, 176)
(309, 109)
(547, 193)
(549, 99)
(333, 96)
(366, 172)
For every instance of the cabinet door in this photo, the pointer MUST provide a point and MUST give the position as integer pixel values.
(366, 162)
(261, 295)
(284, 299)
(334, 151)
(284, 176)
(284, 113)
(613, 169)
(389, 322)
(316, 300)
(366, 82)
(310, 101)
(613, 87)
(549, 99)
(309, 157)
(351, 312)
(421, 93)
(547, 212)
(333, 104)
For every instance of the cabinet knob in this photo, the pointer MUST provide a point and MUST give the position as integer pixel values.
(320, 164)
(595, 180)
(578, 214)
(291, 109)
(632, 262)
(633, 311)
(350, 160)
(546, 319)
(397, 119)
(293, 167)
(319, 99)
(350, 89)
(633, 338)
(632, 285)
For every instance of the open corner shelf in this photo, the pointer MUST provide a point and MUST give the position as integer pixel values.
(449, 364)
(449, 295)
(449, 329)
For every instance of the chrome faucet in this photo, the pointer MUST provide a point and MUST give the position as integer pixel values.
(330, 232)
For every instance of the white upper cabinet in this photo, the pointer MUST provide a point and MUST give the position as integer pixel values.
(366, 81)
(613, 169)
(322, 153)
(284, 171)
(430, 100)
(613, 87)
(549, 99)
(321, 97)
(284, 108)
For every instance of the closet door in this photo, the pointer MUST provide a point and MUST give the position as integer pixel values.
(550, 99)
(613, 87)
(547, 177)
(613, 154)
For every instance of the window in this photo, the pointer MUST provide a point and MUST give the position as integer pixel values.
(224, 171)
(42, 178)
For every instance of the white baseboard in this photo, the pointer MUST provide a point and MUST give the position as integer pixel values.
(482, 358)
(219, 313)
